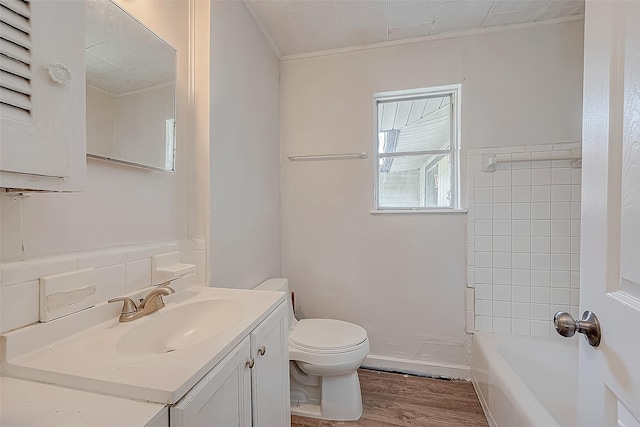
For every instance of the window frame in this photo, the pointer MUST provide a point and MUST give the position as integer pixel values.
(454, 91)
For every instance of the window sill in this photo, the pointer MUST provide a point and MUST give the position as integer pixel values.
(417, 211)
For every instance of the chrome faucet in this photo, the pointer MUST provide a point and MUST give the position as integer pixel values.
(152, 302)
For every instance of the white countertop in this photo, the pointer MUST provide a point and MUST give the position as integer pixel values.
(80, 350)
(31, 404)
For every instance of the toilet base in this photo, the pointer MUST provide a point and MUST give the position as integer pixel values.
(337, 398)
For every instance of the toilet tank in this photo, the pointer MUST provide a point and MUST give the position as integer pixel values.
(280, 284)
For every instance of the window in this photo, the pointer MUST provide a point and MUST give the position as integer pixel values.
(417, 149)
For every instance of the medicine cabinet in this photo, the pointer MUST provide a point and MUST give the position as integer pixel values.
(42, 95)
(131, 81)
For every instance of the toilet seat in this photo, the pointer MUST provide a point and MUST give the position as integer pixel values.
(327, 336)
(328, 347)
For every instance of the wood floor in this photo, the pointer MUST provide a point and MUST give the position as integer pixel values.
(396, 400)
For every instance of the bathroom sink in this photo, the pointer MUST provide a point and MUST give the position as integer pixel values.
(156, 358)
(175, 328)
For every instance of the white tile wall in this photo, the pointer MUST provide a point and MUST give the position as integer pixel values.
(523, 239)
(137, 274)
(119, 270)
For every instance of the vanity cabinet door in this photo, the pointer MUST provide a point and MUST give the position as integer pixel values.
(42, 95)
(270, 373)
(222, 398)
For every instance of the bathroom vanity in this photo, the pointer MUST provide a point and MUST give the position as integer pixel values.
(249, 387)
(209, 356)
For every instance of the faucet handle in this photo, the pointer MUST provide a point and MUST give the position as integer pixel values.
(153, 301)
(129, 307)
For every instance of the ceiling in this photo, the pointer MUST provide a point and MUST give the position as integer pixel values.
(301, 27)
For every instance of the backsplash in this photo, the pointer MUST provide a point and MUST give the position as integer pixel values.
(117, 271)
(523, 238)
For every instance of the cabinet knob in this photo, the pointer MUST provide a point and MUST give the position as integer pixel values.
(251, 362)
(262, 350)
(59, 73)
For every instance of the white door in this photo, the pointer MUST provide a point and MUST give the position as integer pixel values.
(609, 384)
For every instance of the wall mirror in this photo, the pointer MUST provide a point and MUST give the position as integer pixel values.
(131, 80)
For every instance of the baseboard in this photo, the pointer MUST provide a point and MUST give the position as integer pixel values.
(417, 367)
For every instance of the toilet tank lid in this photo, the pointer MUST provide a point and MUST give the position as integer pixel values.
(326, 335)
(277, 284)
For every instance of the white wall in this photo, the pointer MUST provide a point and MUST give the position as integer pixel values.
(134, 213)
(226, 186)
(402, 277)
(231, 197)
(121, 205)
(244, 221)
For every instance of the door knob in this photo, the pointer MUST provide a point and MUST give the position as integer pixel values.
(589, 326)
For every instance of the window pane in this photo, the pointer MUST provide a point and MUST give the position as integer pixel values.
(419, 181)
(414, 125)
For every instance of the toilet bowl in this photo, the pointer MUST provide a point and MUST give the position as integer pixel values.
(324, 356)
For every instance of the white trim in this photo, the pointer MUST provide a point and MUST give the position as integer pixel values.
(454, 91)
(423, 39)
(419, 367)
(418, 93)
(457, 134)
(417, 211)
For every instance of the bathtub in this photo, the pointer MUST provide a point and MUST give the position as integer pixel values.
(526, 381)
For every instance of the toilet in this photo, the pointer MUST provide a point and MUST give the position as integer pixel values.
(324, 356)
